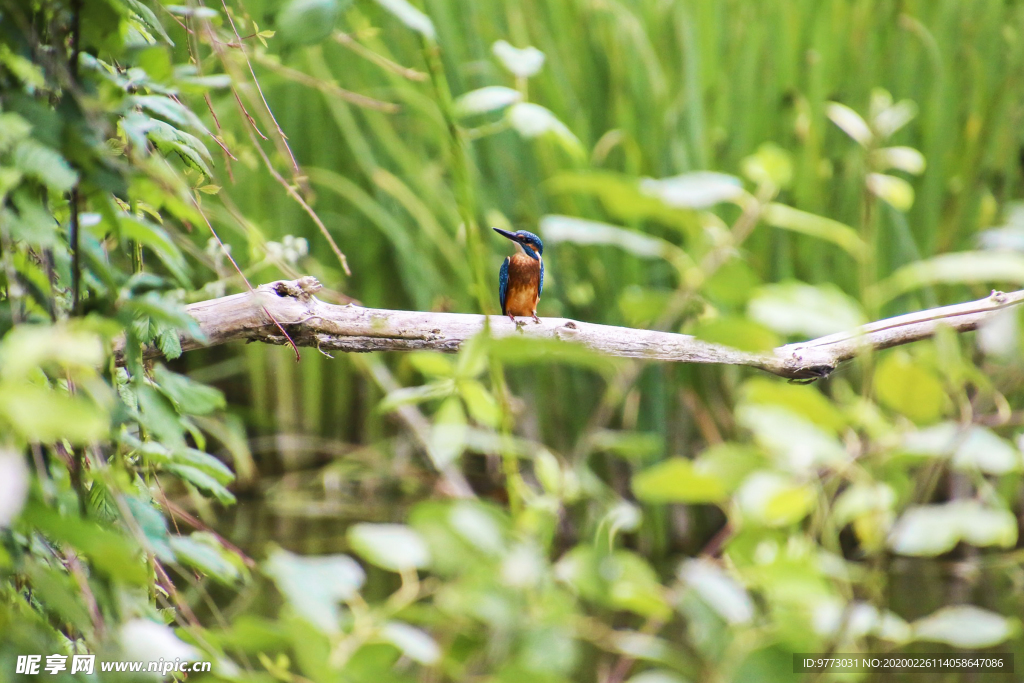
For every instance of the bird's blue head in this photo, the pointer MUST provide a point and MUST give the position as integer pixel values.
(530, 243)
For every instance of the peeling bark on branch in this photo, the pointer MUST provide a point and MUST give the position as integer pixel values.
(311, 322)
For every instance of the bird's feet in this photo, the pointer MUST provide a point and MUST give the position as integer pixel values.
(536, 319)
(519, 323)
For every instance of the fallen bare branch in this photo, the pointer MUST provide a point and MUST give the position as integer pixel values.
(311, 322)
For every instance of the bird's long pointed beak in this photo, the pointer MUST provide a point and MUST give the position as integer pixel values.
(506, 233)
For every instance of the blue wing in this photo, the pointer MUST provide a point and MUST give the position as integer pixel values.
(540, 288)
(503, 284)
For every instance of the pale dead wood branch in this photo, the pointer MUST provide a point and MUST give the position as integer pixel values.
(311, 322)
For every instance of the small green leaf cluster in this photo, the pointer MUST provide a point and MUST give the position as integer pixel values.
(101, 156)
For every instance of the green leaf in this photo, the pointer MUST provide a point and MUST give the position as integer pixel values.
(44, 164)
(201, 460)
(159, 417)
(158, 240)
(533, 121)
(410, 16)
(169, 344)
(910, 389)
(981, 450)
(813, 225)
(861, 500)
(152, 523)
(518, 350)
(472, 359)
(57, 591)
(149, 18)
(65, 346)
(797, 443)
(896, 192)
(770, 165)
(521, 63)
(929, 530)
(432, 364)
(634, 585)
(108, 551)
(191, 398)
(736, 332)
(792, 308)
(696, 190)
(13, 129)
(772, 499)
(169, 139)
(202, 481)
(480, 403)
(856, 619)
(621, 197)
(14, 484)
(313, 586)
(965, 267)
(732, 284)
(620, 580)
(411, 395)
(157, 454)
(556, 229)
(414, 643)
(905, 159)
(888, 118)
(719, 590)
(805, 401)
(165, 107)
(677, 481)
(163, 311)
(306, 22)
(32, 223)
(487, 99)
(730, 463)
(634, 446)
(448, 433)
(641, 306)
(194, 12)
(46, 415)
(148, 640)
(390, 546)
(22, 68)
(203, 552)
(964, 626)
(850, 122)
(478, 525)
(971, 448)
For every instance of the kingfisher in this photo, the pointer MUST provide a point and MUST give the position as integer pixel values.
(521, 279)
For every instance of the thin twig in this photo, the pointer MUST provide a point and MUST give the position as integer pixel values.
(256, 82)
(380, 60)
(176, 511)
(328, 87)
(248, 116)
(248, 285)
(302, 202)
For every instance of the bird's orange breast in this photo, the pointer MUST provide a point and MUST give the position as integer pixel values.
(523, 285)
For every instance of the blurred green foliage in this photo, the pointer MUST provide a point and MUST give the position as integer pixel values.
(748, 172)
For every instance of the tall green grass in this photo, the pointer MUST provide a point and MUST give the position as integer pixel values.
(665, 88)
